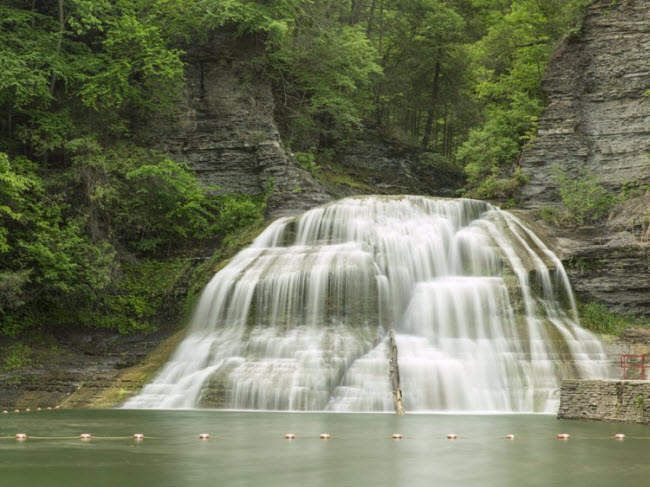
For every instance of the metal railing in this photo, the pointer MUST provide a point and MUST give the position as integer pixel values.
(634, 362)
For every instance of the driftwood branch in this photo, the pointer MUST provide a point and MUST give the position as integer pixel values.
(394, 376)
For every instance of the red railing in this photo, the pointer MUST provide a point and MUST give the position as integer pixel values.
(635, 362)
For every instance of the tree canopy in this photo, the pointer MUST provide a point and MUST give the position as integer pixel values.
(91, 215)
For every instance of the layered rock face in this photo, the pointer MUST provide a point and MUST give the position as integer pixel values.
(599, 118)
(227, 132)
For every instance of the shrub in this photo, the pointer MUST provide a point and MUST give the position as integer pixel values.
(585, 198)
(596, 317)
(16, 356)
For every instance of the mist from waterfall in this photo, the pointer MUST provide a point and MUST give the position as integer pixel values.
(483, 313)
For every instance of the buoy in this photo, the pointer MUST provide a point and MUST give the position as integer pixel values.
(325, 436)
(138, 436)
(619, 436)
(56, 407)
(21, 436)
(27, 410)
(397, 436)
(16, 411)
(85, 436)
(451, 436)
(204, 436)
(49, 408)
(5, 412)
(38, 409)
(289, 436)
(510, 437)
(563, 436)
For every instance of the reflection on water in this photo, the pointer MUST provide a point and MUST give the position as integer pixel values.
(248, 449)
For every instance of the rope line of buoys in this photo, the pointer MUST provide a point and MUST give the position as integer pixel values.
(28, 410)
(322, 436)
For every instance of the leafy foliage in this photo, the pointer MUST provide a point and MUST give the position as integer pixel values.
(585, 199)
(597, 317)
(91, 220)
(15, 356)
(512, 57)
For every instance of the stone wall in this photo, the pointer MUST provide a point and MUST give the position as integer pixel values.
(605, 400)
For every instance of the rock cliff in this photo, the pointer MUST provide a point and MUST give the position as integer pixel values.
(227, 133)
(598, 117)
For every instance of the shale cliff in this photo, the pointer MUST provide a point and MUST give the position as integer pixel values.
(598, 118)
(227, 131)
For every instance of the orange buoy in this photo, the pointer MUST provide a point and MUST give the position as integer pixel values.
(563, 436)
(619, 436)
(397, 436)
(510, 437)
(451, 436)
(204, 436)
(85, 436)
(325, 436)
(21, 436)
(138, 436)
(290, 436)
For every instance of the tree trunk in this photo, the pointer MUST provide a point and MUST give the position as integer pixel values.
(59, 41)
(430, 113)
(394, 376)
(371, 18)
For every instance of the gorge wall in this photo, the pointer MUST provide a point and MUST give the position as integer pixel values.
(227, 133)
(598, 118)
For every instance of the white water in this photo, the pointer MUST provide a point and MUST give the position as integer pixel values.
(483, 313)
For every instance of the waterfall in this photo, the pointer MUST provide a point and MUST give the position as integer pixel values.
(482, 310)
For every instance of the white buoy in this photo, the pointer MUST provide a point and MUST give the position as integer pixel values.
(138, 436)
(325, 436)
(563, 436)
(510, 437)
(85, 436)
(290, 436)
(21, 436)
(397, 436)
(452, 436)
(204, 436)
(57, 407)
(619, 436)
(49, 408)
(16, 410)
(27, 410)
(38, 409)
(5, 412)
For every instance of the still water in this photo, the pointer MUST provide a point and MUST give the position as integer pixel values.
(248, 449)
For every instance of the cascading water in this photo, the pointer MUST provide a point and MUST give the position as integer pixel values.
(483, 313)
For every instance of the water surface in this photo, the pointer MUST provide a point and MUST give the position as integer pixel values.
(248, 449)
